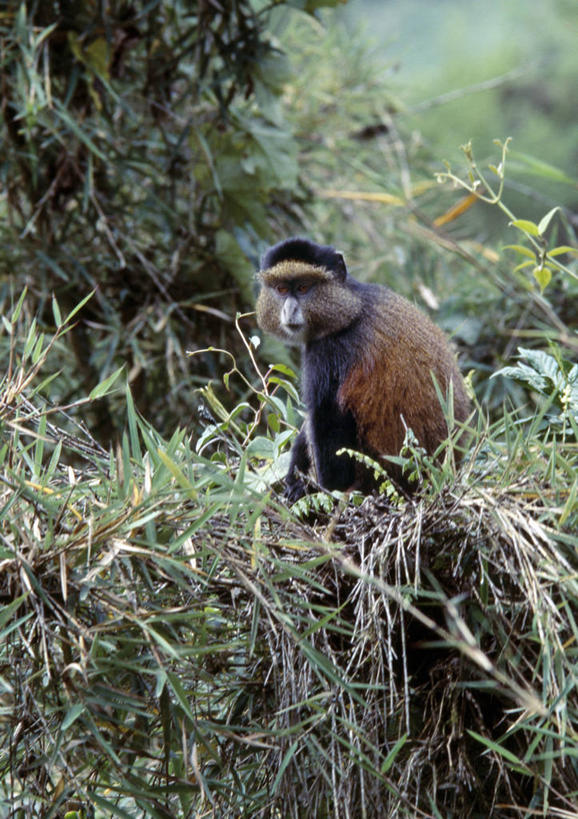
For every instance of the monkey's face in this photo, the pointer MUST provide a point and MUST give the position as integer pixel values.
(293, 297)
(286, 303)
(301, 303)
(282, 309)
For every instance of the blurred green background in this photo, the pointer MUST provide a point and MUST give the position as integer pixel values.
(477, 70)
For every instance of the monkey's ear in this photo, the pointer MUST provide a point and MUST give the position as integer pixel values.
(340, 267)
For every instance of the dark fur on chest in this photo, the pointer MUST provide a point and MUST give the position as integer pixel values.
(329, 426)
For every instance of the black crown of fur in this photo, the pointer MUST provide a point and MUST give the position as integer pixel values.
(301, 250)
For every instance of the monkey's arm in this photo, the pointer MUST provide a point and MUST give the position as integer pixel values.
(300, 462)
(332, 430)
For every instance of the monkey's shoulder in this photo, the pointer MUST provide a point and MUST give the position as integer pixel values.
(393, 319)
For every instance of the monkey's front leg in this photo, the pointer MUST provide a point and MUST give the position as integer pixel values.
(300, 462)
(332, 430)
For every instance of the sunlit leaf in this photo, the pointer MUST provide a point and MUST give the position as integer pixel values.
(524, 251)
(545, 221)
(558, 251)
(543, 276)
(525, 225)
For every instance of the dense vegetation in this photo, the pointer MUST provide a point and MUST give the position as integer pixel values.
(174, 640)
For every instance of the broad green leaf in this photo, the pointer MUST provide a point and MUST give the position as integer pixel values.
(278, 405)
(524, 251)
(274, 70)
(528, 227)
(558, 251)
(282, 368)
(273, 422)
(261, 447)
(287, 386)
(542, 362)
(97, 57)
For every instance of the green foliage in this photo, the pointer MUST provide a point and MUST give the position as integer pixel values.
(91, 540)
(554, 379)
(176, 641)
(543, 260)
(513, 72)
(380, 475)
(238, 433)
(144, 156)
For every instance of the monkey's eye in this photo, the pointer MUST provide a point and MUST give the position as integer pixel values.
(282, 289)
(304, 287)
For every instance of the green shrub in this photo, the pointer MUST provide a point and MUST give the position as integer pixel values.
(174, 641)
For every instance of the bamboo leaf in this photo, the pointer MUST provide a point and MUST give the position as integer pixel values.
(16, 312)
(78, 307)
(56, 312)
(105, 386)
(390, 759)
(79, 132)
(71, 715)
(7, 611)
(499, 749)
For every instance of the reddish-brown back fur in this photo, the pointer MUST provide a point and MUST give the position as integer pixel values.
(392, 382)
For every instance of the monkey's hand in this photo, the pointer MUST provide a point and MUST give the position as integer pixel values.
(294, 488)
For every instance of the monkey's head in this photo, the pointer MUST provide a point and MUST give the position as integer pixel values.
(306, 292)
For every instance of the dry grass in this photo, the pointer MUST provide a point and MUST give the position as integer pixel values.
(450, 650)
(179, 655)
(175, 642)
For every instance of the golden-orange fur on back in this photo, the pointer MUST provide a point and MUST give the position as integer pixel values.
(389, 391)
